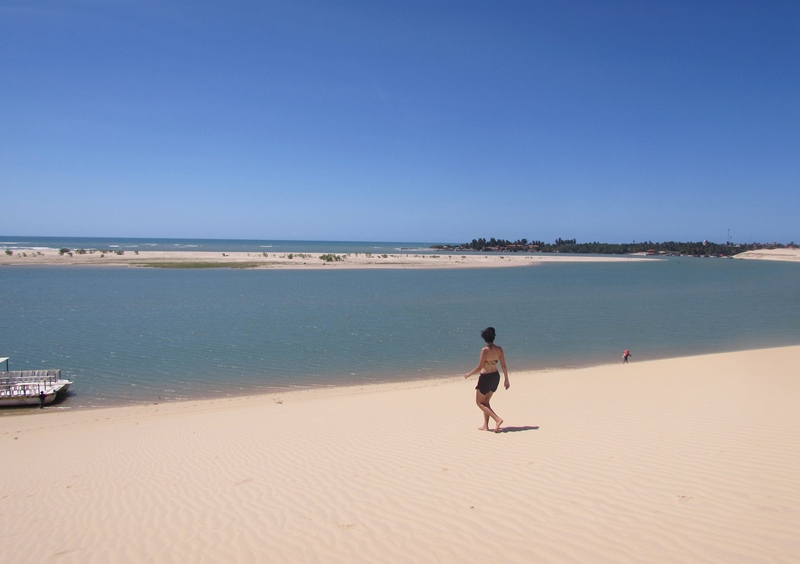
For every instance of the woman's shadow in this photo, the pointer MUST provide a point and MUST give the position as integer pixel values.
(518, 429)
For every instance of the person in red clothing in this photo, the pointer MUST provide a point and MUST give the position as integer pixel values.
(625, 354)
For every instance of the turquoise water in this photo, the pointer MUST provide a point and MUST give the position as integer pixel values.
(129, 335)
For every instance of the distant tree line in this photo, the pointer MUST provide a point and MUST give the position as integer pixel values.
(699, 248)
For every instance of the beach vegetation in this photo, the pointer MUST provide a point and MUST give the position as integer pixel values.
(330, 257)
(9, 252)
(690, 248)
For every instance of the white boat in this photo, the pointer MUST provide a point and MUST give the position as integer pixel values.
(31, 387)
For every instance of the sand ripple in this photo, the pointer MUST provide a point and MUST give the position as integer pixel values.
(686, 460)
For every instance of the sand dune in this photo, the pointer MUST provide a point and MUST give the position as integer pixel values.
(786, 254)
(683, 460)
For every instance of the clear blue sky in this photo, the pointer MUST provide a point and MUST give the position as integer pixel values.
(434, 121)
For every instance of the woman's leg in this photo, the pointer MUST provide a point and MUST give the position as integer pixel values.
(482, 400)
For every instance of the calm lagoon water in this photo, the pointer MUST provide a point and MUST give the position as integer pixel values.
(129, 335)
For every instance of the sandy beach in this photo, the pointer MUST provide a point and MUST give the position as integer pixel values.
(200, 259)
(319, 260)
(682, 460)
(791, 255)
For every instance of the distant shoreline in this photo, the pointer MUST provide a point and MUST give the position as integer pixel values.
(288, 260)
(787, 255)
(303, 260)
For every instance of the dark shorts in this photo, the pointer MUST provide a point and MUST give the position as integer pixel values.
(488, 382)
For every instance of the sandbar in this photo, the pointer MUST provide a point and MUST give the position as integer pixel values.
(786, 254)
(318, 260)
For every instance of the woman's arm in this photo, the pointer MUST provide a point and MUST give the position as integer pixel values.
(481, 362)
(506, 383)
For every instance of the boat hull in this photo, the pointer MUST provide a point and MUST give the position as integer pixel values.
(31, 387)
(14, 400)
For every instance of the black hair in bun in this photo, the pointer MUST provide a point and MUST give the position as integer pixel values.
(488, 334)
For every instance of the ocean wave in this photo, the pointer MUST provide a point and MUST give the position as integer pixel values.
(23, 248)
(417, 250)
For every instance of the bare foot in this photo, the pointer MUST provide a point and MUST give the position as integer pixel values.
(497, 427)
(484, 428)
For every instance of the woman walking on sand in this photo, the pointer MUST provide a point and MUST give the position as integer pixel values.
(489, 378)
